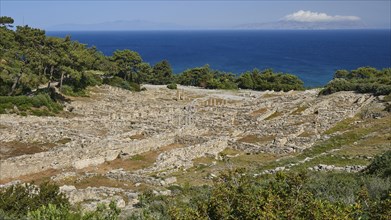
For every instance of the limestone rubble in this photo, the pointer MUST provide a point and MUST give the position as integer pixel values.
(114, 123)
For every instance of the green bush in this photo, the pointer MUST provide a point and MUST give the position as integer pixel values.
(362, 80)
(257, 80)
(387, 108)
(134, 87)
(61, 212)
(30, 104)
(172, 86)
(89, 78)
(121, 83)
(381, 165)
(337, 85)
(51, 211)
(16, 201)
(334, 187)
(239, 195)
(46, 202)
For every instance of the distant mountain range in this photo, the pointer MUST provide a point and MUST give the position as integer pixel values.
(116, 26)
(297, 25)
(149, 25)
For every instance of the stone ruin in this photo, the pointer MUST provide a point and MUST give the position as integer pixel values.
(114, 123)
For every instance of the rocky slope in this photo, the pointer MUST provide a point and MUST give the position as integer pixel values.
(115, 142)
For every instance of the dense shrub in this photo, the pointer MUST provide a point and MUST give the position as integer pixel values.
(40, 104)
(121, 83)
(46, 202)
(256, 80)
(268, 80)
(71, 91)
(172, 86)
(16, 201)
(381, 165)
(362, 80)
(134, 87)
(62, 212)
(337, 85)
(91, 78)
(388, 107)
(239, 195)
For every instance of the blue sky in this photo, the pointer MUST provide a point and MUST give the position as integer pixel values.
(198, 14)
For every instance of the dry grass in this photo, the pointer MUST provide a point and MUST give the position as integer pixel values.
(274, 115)
(343, 125)
(253, 160)
(204, 166)
(64, 141)
(82, 182)
(37, 178)
(259, 112)
(137, 137)
(230, 151)
(15, 148)
(356, 139)
(252, 139)
(136, 162)
(99, 180)
(378, 141)
(307, 134)
(299, 110)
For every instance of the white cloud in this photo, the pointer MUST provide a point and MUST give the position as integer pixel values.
(309, 16)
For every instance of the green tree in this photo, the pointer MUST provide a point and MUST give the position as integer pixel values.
(198, 76)
(363, 72)
(28, 57)
(6, 21)
(245, 81)
(128, 63)
(341, 74)
(162, 73)
(145, 73)
(362, 80)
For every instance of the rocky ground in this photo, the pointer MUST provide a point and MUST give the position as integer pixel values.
(115, 143)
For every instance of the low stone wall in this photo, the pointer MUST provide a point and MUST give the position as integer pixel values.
(182, 157)
(79, 155)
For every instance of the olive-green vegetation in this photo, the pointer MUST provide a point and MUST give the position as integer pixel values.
(16, 201)
(238, 195)
(235, 194)
(40, 104)
(27, 201)
(207, 78)
(30, 60)
(172, 86)
(268, 80)
(362, 80)
(381, 165)
(255, 80)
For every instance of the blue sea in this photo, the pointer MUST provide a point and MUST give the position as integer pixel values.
(313, 55)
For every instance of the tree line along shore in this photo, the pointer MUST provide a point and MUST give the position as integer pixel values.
(31, 61)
